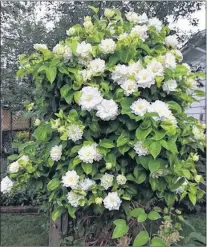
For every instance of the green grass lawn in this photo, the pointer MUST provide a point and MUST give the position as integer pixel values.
(24, 230)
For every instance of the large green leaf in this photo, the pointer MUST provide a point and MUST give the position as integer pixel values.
(106, 143)
(153, 215)
(156, 241)
(121, 228)
(87, 167)
(141, 239)
(51, 73)
(155, 149)
(53, 184)
(154, 165)
(141, 134)
(123, 139)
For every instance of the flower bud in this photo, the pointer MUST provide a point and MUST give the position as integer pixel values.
(108, 13)
(71, 31)
(109, 166)
(198, 178)
(37, 122)
(121, 179)
(99, 200)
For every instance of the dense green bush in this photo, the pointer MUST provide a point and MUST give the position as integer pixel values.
(113, 140)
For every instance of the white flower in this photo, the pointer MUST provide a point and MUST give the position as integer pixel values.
(6, 185)
(169, 61)
(169, 86)
(71, 31)
(121, 179)
(161, 108)
(14, 167)
(172, 120)
(132, 17)
(145, 78)
(89, 153)
(142, 18)
(129, 87)
(140, 107)
(86, 184)
(86, 74)
(83, 49)
(122, 36)
(120, 74)
(191, 85)
(107, 46)
(74, 198)
(97, 65)
(171, 41)
(107, 110)
(112, 201)
(155, 68)
(75, 132)
(108, 13)
(40, 47)
(37, 122)
(70, 179)
(134, 68)
(107, 180)
(198, 133)
(90, 98)
(140, 149)
(63, 51)
(155, 23)
(56, 152)
(139, 31)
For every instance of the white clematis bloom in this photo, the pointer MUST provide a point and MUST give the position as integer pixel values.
(161, 108)
(75, 132)
(120, 74)
(39, 47)
(134, 68)
(86, 74)
(129, 87)
(139, 31)
(169, 86)
(112, 201)
(107, 110)
(6, 185)
(107, 180)
(90, 98)
(142, 18)
(107, 46)
(169, 61)
(89, 153)
(132, 17)
(70, 179)
(83, 49)
(56, 152)
(63, 51)
(97, 65)
(155, 23)
(86, 184)
(198, 133)
(14, 167)
(121, 179)
(140, 107)
(74, 199)
(140, 149)
(145, 78)
(155, 68)
(171, 41)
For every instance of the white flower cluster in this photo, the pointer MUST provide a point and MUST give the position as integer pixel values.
(56, 152)
(17, 165)
(91, 99)
(112, 201)
(134, 76)
(142, 106)
(74, 198)
(40, 47)
(107, 46)
(171, 41)
(74, 132)
(6, 185)
(191, 85)
(63, 51)
(198, 133)
(89, 153)
(83, 50)
(169, 86)
(140, 149)
(107, 180)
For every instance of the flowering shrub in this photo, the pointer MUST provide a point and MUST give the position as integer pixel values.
(112, 132)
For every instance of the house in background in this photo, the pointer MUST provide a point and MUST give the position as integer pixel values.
(194, 53)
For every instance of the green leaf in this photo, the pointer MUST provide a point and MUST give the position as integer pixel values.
(159, 135)
(141, 239)
(155, 149)
(192, 198)
(53, 184)
(87, 167)
(71, 211)
(77, 96)
(154, 165)
(96, 10)
(106, 143)
(113, 59)
(136, 212)
(177, 184)
(123, 139)
(174, 106)
(121, 228)
(73, 115)
(57, 213)
(64, 90)
(13, 157)
(141, 134)
(153, 215)
(69, 97)
(142, 217)
(156, 241)
(51, 73)
(140, 175)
